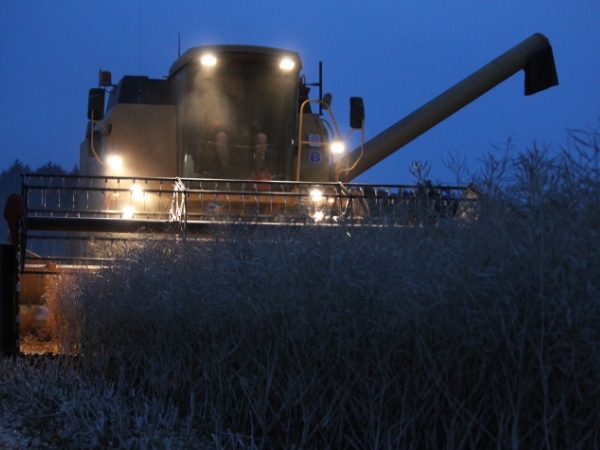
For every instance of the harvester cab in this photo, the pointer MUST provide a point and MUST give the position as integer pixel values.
(224, 112)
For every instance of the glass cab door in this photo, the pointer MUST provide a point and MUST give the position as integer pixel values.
(238, 118)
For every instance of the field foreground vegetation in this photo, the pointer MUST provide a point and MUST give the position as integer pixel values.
(478, 332)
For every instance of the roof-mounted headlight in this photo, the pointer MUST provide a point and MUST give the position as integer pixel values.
(287, 64)
(208, 60)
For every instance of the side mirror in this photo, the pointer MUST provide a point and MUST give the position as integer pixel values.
(96, 104)
(327, 99)
(357, 112)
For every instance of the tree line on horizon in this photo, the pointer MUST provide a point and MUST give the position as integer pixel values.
(11, 179)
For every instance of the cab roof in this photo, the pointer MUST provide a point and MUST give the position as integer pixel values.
(248, 52)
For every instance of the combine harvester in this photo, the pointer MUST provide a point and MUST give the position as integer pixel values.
(232, 138)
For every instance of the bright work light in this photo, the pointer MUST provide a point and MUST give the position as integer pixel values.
(136, 191)
(114, 162)
(316, 195)
(287, 64)
(128, 212)
(208, 60)
(337, 147)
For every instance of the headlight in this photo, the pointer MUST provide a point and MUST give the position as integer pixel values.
(337, 147)
(137, 192)
(287, 64)
(128, 212)
(208, 60)
(318, 216)
(316, 195)
(114, 162)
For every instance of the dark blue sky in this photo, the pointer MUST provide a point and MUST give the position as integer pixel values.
(396, 55)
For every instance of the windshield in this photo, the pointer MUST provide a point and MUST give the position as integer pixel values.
(238, 120)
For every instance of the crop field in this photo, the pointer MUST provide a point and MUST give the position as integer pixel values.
(481, 331)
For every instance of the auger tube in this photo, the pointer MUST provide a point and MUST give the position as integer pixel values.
(534, 55)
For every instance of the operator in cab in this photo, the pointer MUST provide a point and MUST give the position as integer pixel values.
(233, 143)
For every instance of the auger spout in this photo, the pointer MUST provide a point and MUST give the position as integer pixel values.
(534, 55)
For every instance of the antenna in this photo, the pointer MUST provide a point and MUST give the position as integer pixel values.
(320, 84)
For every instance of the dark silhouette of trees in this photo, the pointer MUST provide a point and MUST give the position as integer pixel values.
(11, 181)
(50, 169)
